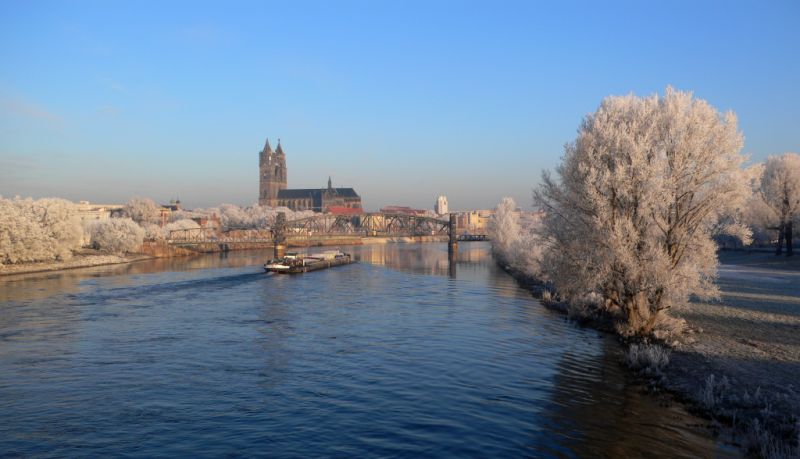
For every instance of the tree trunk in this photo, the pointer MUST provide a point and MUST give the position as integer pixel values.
(640, 318)
(788, 238)
(779, 247)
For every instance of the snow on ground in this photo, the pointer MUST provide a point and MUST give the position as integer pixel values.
(752, 335)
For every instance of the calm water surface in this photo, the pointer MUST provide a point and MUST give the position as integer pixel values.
(399, 355)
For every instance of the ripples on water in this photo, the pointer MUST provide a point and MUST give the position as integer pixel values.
(398, 356)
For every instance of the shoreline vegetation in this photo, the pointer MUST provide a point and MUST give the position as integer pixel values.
(89, 258)
(86, 258)
(628, 237)
(737, 361)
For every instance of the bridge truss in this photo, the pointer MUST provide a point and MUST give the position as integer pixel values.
(319, 227)
(369, 225)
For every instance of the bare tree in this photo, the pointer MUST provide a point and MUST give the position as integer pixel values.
(639, 194)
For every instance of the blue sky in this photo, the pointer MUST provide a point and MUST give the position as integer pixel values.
(401, 100)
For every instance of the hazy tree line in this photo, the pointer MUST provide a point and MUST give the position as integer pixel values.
(34, 230)
(632, 215)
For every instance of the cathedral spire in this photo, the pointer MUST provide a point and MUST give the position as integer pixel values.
(267, 148)
(278, 149)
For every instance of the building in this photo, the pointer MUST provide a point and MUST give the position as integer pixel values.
(441, 205)
(404, 210)
(273, 189)
(272, 174)
(474, 221)
(319, 199)
(89, 212)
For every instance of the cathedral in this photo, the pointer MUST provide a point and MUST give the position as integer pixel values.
(272, 189)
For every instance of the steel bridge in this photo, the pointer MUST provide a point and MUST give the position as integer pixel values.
(322, 227)
(366, 225)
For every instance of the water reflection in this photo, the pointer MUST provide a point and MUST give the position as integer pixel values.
(596, 410)
(208, 355)
(426, 258)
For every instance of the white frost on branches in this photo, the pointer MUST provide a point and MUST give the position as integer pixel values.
(116, 235)
(38, 230)
(513, 244)
(143, 211)
(775, 206)
(638, 195)
(253, 217)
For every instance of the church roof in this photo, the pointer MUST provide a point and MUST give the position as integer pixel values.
(298, 193)
(346, 192)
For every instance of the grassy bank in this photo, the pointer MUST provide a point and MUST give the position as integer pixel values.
(85, 258)
(738, 360)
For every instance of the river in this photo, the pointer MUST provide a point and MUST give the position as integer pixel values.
(399, 355)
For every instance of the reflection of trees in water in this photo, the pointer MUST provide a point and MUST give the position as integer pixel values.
(596, 411)
(422, 258)
(46, 284)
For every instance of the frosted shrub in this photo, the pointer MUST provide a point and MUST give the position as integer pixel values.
(117, 236)
(667, 327)
(650, 358)
(713, 391)
(153, 232)
(638, 197)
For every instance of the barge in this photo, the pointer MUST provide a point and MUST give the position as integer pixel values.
(294, 263)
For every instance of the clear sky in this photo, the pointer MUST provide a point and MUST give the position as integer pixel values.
(401, 100)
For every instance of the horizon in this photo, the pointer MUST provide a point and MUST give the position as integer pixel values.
(104, 102)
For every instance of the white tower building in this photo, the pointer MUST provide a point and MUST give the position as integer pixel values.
(441, 205)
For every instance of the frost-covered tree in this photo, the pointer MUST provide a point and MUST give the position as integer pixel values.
(117, 235)
(252, 217)
(61, 221)
(638, 196)
(515, 244)
(505, 231)
(779, 192)
(185, 224)
(143, 210)
(38, 230)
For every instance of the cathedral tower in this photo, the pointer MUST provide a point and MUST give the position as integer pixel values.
(272, 174)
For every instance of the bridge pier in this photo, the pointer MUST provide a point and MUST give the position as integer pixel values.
(452, 244)
(279, 235)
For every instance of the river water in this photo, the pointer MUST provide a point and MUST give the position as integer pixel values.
(399, 355)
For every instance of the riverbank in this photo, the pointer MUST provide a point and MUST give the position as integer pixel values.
(738, 360)
(85, 258)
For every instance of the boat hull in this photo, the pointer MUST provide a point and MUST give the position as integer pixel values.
(307, 266)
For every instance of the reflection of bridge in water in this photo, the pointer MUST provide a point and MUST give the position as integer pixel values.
(321, 228)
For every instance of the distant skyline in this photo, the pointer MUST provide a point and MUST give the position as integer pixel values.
(403, 101)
